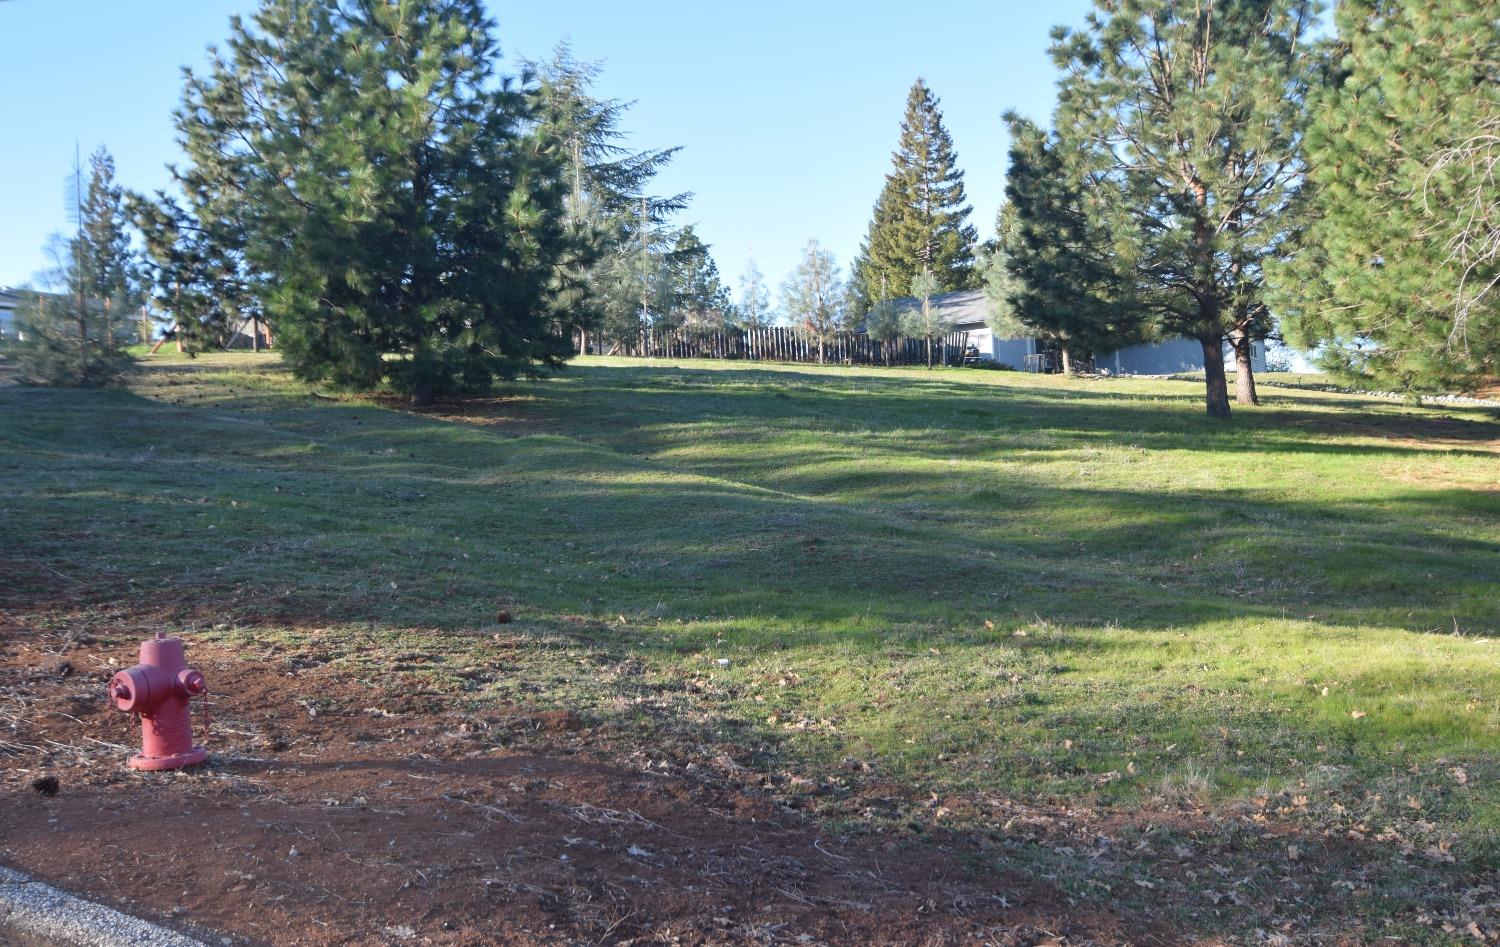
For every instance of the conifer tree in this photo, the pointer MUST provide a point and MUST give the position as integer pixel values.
(402, 212)
(1053, 275)
(699, 298)
(1192, 117)
(814, 296)
(71, 338)
(616, 226)
(883, 323)
(1394, 278)
(194, 272)
(925, 321)
(920, 219)
(108, 268)
(998, 276)
(754, 308)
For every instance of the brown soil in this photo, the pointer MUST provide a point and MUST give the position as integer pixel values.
(339, 811)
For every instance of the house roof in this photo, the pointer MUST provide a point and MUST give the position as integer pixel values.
(965, 308)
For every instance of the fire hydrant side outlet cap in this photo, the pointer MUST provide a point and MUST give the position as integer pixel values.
(131, 689)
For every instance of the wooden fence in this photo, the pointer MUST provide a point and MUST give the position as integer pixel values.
(787, 344)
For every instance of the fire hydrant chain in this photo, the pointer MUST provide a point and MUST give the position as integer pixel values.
(158, 691)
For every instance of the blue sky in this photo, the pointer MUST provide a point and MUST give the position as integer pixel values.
(786, 112)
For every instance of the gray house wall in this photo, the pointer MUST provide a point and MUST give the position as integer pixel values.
(1169, 357)
(1012, 352)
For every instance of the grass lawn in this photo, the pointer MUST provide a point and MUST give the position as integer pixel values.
(911, 602)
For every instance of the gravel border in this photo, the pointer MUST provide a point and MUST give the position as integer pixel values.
(36, 912)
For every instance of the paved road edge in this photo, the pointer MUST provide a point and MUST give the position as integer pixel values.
(36, 910)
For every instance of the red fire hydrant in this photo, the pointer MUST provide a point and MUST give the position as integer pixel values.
(158, 690)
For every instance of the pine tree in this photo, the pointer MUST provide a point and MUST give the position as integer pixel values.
(699, 298)
(998, 274)
(883, 324)
(924, 321)
(108, 268)
(71, 338)
(1054, 275)
(1191, 117)
(609, 212)
(814, 297)
(402, 211)
(1394, 279)
(754, 309)
(195, 273)
(920, 219)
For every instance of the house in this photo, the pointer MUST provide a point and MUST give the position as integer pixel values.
(1169, 357)
(9, 301)
(968, 311)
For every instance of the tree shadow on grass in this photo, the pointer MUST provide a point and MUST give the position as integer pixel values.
(410, 519)
(1149, 419)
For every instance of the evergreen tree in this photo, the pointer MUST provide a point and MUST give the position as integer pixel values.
(1053, 275)
(1394, 278)
(699, 297)
(754, 309)
(598, 285)
(1191, 117)
(883, 324)
(814, 297)
(998, 275)
(195, 273)
(72, 338)
(921, 218)
(108, 270)
(924, 321)
(401, 209)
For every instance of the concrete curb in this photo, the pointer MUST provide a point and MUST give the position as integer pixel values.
(34, 911)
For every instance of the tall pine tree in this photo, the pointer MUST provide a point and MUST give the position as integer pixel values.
(1193, 115)
(620, 238)
(921, 219)
(1395, 277)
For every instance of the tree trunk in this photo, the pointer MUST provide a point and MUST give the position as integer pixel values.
(1217, 387)
(929, 352)
(1244, 370)
(1067, 358)
(820, 350)
(254, 334)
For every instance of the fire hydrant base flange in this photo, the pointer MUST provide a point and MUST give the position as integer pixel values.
(151, 763)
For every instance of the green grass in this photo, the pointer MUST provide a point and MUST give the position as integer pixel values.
(972, 583)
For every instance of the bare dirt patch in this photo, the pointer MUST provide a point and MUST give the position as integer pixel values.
(341, 811)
